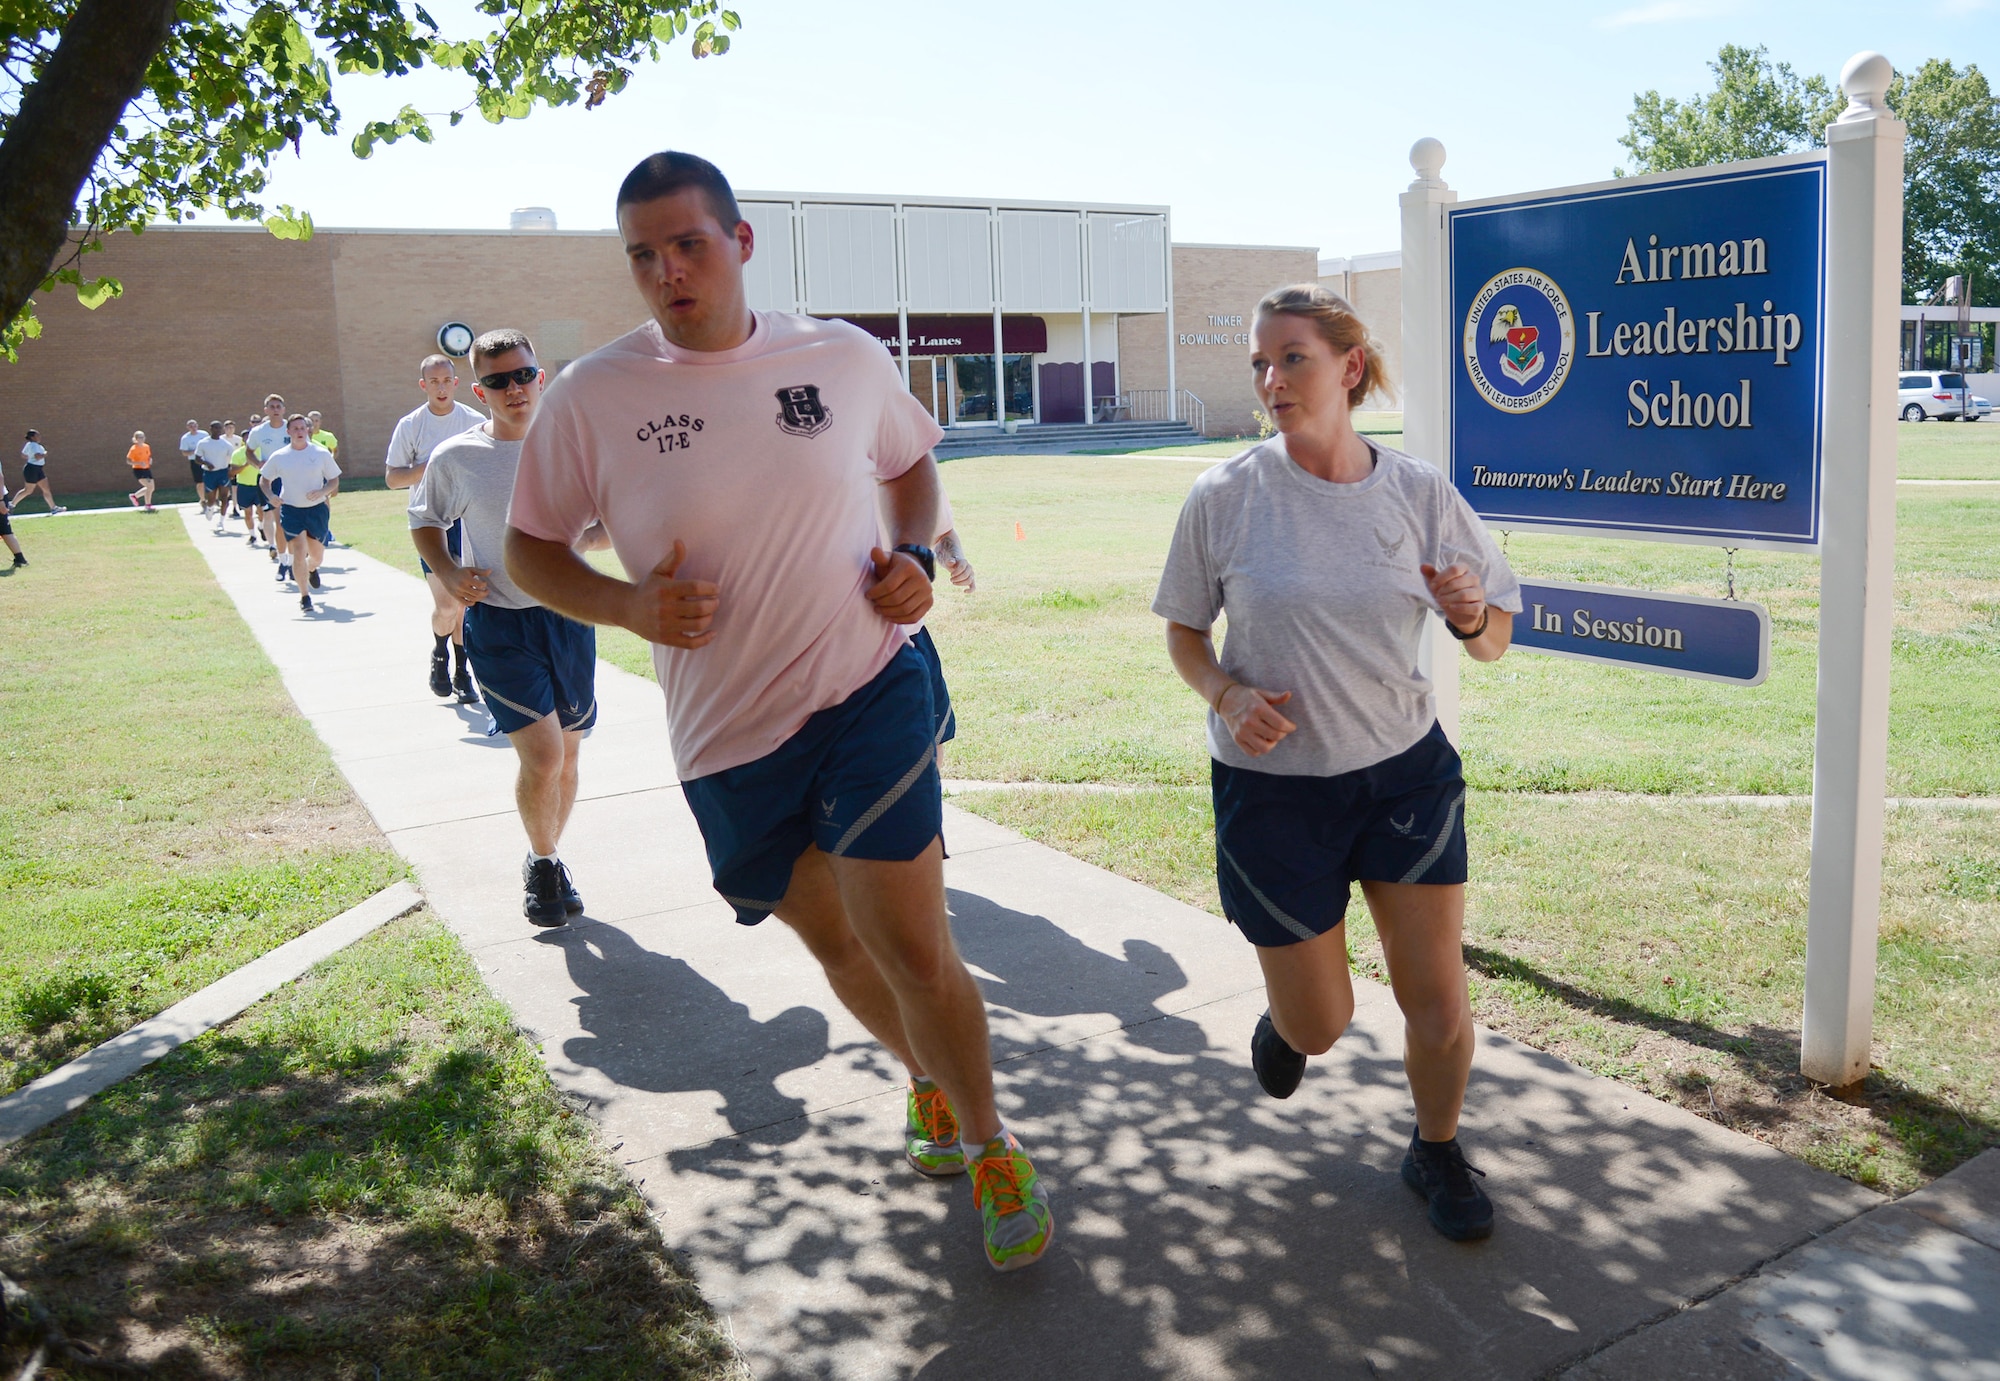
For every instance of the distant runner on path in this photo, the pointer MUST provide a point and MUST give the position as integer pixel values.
(212, 454)
(302, 477)
(1329, 554)
(735, 458)
(250, 500)
(264, 440)
(190, 439)
(140, 457)
(537, 669)
(417, 434)
(35, 473)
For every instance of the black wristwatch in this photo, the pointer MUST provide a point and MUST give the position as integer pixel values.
(925, 558)
(1452, 628)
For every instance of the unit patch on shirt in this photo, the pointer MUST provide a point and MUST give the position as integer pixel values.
(674, 432)
(803, 414)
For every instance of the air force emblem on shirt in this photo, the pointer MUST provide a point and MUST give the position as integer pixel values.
(800, 411)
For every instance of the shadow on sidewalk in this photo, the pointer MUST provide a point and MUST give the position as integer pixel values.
(659, 1026)
(1206, 1230)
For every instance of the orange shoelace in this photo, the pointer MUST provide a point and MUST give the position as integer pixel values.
(998, 1178)
(936, 1117)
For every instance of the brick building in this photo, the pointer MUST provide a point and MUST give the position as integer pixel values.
(214, 318)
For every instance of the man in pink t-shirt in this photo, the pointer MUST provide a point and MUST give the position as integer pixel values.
(746, 463)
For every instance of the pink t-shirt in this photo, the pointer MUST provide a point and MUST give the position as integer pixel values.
(764, 461)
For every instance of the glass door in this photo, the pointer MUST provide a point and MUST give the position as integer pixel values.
(973, 394)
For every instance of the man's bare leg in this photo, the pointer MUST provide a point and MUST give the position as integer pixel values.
(897, 911)
(545, 788)
(813, 909)
(447, 614)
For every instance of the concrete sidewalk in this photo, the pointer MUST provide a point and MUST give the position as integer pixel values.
(1204, 1230)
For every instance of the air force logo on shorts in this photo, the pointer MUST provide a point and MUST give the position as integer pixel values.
(1520, 340)
(801, 412)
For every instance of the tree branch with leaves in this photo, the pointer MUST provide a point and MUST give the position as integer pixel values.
(116, 114)
(1951, 164)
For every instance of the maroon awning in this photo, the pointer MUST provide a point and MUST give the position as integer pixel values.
(960, 335)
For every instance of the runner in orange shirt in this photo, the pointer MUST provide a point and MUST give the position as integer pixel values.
(140, 458)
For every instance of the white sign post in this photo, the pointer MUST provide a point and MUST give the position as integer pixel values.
(1864, 269)
(1861, 325)
(1427, 351)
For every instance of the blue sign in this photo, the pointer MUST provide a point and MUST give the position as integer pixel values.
(1682, 635)
(1643, 358)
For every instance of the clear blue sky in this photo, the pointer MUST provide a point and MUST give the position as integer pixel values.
(1290, 124)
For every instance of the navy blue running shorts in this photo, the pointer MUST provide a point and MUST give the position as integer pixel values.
(532, 663)
(249, 496)
(310, 521)
(1288, 849)
(215, 481)
(944, 724)
(859, 779)
(451, 535)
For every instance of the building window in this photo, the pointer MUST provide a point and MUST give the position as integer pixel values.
(972, 377)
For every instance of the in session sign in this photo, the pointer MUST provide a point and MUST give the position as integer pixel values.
(1642, 358)
(1682, 635)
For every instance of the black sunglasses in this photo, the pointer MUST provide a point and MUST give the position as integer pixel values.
(523, 376)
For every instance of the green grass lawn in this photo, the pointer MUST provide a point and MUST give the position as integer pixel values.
(367, 1174)
(166, 814)
(1948, 450)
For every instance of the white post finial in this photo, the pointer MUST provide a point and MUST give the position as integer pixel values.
(1865, 81)
(1427, 157)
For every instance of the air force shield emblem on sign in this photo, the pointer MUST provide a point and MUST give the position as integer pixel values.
(801, 412)
(1520, 340)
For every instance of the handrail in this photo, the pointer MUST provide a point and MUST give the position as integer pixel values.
(1155, 405)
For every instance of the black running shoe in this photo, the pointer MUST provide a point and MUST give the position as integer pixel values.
(572, 901)
(461, 683)
(543, 880)
(314, 577)
(305, 604)
(1279, 1067)
(20, 559)
(441, 675)
(1459, 1208)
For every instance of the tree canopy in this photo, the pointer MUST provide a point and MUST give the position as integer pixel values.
(1951, 167)
(118, 113)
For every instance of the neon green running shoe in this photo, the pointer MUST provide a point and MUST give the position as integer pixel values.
(930, 1133)
(1015, 1211)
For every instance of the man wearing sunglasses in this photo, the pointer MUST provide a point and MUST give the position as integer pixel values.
(417, 435)
(537, 669)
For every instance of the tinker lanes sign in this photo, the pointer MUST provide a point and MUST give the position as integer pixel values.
(1644, 359)
(1682, 635)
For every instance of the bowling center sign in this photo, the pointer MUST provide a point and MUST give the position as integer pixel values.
(1643, 358)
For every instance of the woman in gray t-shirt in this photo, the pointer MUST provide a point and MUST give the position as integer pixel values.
(1329, 555)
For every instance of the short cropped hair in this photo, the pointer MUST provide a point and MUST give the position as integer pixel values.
(271, 398)
(663, 174)
(297, 417)
(499, 342)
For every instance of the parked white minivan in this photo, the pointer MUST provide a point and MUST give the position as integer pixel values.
(1921, 397)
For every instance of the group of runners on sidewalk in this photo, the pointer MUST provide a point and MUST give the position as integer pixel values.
(769, 483)
(278, 479)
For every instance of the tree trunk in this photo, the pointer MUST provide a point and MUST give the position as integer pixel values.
(64, 121)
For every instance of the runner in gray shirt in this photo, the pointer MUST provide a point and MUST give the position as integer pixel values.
(538, 670)
(417, 435)
(1329, 556)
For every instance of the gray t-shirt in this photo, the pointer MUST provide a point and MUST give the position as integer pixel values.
(471, 477)
(1324, 597)
(419, 433)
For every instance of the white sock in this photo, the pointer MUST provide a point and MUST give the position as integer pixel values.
(534, 857)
